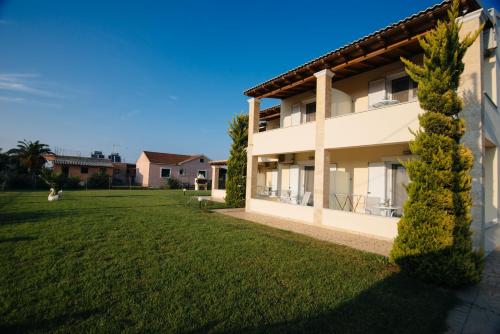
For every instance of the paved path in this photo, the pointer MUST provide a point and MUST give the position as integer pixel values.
(479, 311)
(361, 242)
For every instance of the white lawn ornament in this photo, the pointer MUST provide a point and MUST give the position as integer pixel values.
(53, 196)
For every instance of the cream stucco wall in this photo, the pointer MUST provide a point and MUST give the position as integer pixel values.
(303, 214)
(378, 226)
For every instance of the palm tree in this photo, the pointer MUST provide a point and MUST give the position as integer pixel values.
(30, 155)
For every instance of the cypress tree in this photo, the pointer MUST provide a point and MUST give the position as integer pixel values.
(434, 238)
(237, 162)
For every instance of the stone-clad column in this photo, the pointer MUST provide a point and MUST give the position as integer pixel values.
(471, 91)
(321, 157)
(252, 161)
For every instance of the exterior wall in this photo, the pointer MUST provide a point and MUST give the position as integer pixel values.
(385, 125)
(75, 171)
(291, 139)
(378, 226)
(142, 170)
(303, 214)
(472, 88)
(190, 168)
(218, 193)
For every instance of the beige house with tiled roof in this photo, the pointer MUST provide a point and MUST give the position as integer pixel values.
(154, 168)
(330, 152)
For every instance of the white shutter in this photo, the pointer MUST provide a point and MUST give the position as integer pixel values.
(376, 92)
(294, 181)
(296, 114)
(376, 180)
(274, 180)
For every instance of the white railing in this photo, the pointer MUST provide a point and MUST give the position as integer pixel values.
(363, 204)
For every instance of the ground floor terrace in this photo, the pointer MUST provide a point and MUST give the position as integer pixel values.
(362, 188)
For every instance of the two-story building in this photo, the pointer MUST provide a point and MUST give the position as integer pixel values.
(331, 152)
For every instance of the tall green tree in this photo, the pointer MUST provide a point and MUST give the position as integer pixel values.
(30, 155)
(237, 162)
(434, 238)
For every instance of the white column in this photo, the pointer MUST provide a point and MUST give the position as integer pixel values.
(321, 157)
(252, 161)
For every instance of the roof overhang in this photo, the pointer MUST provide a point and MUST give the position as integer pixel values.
(218, 163)
(382, 47)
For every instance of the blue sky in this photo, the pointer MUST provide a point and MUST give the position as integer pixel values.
(160, 76)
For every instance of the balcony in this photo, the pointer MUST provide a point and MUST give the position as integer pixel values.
(384, 125)
(298, 138)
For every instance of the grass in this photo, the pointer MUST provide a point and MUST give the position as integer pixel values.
(150, 261)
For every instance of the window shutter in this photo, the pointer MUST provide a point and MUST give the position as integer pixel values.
(376, 92)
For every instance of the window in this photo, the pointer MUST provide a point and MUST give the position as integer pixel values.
(202, 160)
(165, 172)
(181, 171)
(202, 173)
(311, 112)
(84, 170)
(403, 89)
(102, 170)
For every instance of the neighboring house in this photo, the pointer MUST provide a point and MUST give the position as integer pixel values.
(154, 168)
(123, 173)
(338, 137)
(81, 167)
(219, 176)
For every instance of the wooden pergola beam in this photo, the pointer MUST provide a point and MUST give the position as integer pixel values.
(358, 60)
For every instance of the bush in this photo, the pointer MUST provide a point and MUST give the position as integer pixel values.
(434, 237)
(18, 181)
(237, 162)
(172, 183)
(72, 182)
(98, 181)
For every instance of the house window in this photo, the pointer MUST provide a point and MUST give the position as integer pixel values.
(202, 160)
(311, 112)
(165, 172)
(202, 173)
(102, 170)
(403, 89)
(181, 171)
(84, 170)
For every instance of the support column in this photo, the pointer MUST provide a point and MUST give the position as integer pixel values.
(252, 161)
(321, 157)
(215, 177)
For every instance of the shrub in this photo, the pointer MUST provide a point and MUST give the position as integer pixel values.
(72, 182)
(98, 181)
(237, 162)
(433, 241)
(172, 183)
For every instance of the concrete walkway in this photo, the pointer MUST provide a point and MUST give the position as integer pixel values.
(479, 311)
(361, 242)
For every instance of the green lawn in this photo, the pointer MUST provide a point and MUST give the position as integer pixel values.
(149, 261)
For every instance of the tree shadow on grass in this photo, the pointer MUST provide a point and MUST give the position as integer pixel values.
(16, 239)
(396, 304)
(48, 325)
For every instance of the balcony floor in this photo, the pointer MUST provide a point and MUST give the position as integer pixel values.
(357, 241)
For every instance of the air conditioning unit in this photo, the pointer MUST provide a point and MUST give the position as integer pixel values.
(286, 158)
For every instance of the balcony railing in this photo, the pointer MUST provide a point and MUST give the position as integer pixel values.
(284, 196)
(363, 204)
